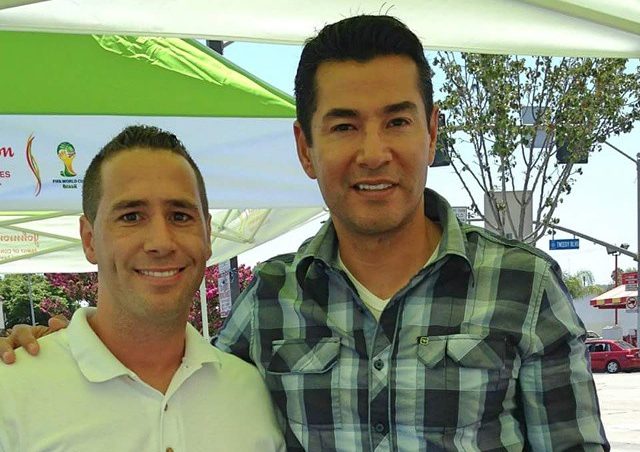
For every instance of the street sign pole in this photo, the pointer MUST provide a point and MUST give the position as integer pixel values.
(637, 256)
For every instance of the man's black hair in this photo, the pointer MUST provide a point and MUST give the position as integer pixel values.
(359, 38)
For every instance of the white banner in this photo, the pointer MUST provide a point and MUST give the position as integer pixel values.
(224, 288)
(246, 162)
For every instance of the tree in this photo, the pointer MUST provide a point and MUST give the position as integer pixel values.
(76, 286)
(56, 305)
(14, 290)
(581, 283)
(577, 102)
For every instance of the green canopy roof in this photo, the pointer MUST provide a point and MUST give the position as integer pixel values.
(48, 73)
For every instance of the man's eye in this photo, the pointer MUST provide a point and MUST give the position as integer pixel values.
(399, 122)
(181, 217)
(342, 128)
(130, 217)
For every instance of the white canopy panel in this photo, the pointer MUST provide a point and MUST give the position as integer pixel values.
(50, 242)
(532, 27)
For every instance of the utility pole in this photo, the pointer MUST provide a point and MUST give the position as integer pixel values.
(615, 280)
(637, 162)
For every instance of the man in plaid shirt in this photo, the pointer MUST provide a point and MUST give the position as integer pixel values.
(396, 327)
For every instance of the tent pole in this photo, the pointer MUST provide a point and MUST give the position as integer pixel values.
(203, 309)
(33, 315)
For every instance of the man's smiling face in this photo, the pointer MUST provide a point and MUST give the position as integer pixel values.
(372, 143)
(150, 237)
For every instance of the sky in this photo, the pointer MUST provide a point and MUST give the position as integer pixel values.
(603, 203)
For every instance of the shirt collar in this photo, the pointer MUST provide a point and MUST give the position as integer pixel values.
(98, 364)
(198, 351)
(453, 240)
(323, 246)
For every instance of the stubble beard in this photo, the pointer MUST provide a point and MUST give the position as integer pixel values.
(379, 222)
(142, 311)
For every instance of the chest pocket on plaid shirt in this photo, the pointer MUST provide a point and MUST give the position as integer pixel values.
(466, 378)
(304, 371)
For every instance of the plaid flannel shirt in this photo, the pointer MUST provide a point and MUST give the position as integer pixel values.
(482, 350)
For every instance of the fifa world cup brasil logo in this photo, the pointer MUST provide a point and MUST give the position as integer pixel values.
(66, 153)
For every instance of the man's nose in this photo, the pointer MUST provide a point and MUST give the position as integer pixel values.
(160, 238)
(374, 150)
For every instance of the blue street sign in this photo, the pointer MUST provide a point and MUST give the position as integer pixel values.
(564, 244)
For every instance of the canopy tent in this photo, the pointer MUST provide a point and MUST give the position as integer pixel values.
(546, 27)
(615, 298)
(532, 27)
(81, 90)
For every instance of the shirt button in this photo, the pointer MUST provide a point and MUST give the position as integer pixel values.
(379, 427)
(378, 364)
(169, 449)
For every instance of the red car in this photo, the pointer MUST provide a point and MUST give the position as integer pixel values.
(613, 356)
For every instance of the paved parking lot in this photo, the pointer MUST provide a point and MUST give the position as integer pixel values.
(619, 396)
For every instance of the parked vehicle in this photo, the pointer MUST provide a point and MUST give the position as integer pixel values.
(593, 335)
(612, 356)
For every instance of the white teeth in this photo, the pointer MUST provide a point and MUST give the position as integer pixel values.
(372, 187)
(164, 274)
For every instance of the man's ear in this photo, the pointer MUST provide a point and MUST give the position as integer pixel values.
(86, 235)
(304, 151)
(433, 134)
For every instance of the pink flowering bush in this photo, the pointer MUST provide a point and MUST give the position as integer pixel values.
(57, 305)
(76, 286)
(84, 286)
(245, 275)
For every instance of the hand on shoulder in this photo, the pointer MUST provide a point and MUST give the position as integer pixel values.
(27, 336)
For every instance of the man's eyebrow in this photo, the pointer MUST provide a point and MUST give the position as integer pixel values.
(387, 109)
(137, 203)
(182, 203)
(400, 106)
(340, 113)
(128, 204)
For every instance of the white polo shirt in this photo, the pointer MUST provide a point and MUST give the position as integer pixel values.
(76, 396)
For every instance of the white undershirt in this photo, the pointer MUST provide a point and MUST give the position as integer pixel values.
(374, 303)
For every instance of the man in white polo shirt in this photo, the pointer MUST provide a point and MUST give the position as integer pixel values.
(132, 374)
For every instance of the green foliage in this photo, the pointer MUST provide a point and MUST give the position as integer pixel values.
(581, 283)
(580, 102)
(14, 290)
